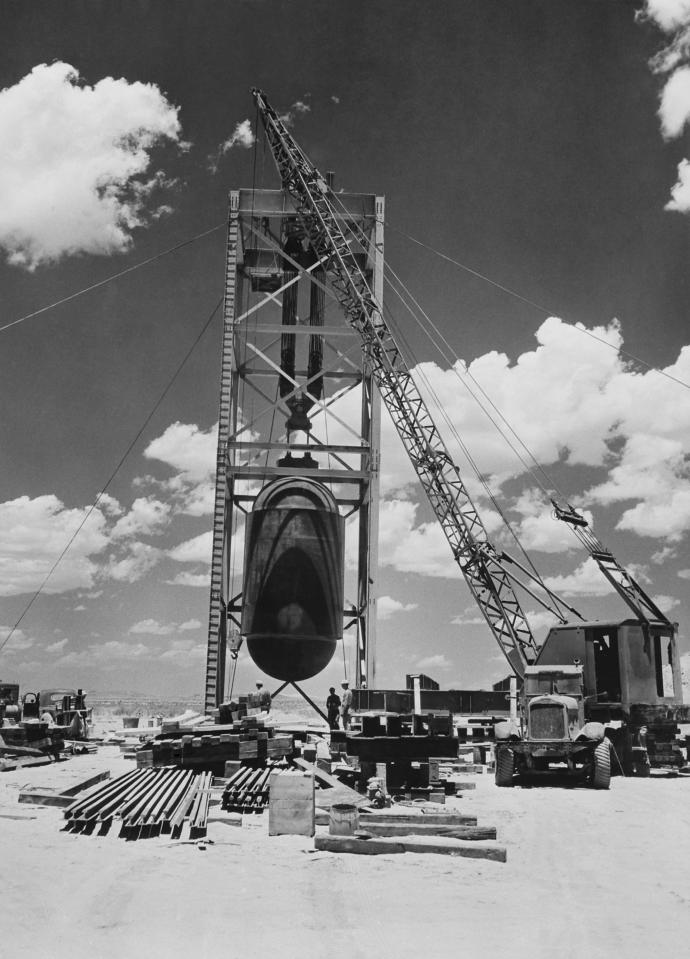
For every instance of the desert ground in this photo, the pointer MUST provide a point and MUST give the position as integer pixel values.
(588, 874)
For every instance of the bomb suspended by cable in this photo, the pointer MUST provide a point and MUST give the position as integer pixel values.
(292, 616)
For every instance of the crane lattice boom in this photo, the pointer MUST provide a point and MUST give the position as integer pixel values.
(450, 500)
(626, 586)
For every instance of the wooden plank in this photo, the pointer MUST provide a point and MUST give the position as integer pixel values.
(337, 791)
(362, 847)
(418, 844)
(7, 765)
(44, 797)
(452, 847)
(444, 819)
(427, 829)
(12, 751)
(86, 783)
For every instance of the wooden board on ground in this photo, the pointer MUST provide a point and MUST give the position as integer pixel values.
(426, 829)
(50, 797)
(414, 844)
(380, 816)
(445, 819)
(8, 765)
(336, 792)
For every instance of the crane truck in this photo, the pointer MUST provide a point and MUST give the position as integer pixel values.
(627, 672)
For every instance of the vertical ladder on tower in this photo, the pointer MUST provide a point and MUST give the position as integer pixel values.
(215, 655)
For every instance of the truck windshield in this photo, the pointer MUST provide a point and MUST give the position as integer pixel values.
(545, 683)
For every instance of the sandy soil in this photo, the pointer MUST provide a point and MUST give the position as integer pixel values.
(589, 874)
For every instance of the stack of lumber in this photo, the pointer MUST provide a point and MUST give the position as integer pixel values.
(209, 747)
(390, 748)
(383, 833)
(391, 738)
(147, 802)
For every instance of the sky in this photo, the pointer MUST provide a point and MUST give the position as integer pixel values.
(542, 144)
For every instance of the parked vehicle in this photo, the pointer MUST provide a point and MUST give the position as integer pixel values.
(553, 735)
(62, 704)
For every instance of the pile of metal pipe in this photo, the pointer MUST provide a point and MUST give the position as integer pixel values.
(148, 802)
(247, 790)
(198, 816)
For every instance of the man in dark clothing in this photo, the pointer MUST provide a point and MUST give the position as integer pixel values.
(333, 708)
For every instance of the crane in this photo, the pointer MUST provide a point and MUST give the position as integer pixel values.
(482, 566)
(630, 591)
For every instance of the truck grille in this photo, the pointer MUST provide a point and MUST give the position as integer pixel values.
(547, 722)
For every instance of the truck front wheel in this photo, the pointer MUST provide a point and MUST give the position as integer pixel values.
(601, 766)
(505, 766)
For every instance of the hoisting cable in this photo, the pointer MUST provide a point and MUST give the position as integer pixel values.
(537, 306)
(451, 357)
(451, 361)
(357, 230)
(117, 469)
(490, 494)
(535, 574)
(114, 276)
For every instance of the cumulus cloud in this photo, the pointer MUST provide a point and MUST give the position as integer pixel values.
(674, 109)
(665, 603)
(539, 530)
(139, 559)
(57, 646)
(298, 107)
(437, 661)
(196, 580)
(33, 534)
(586, 580)
(104, 655)
(386, 607)
(151, 627)
(680, 191)
(663, 554)
(470, 617)
(19, 641)
(673, 62)
(184, 652)
(75, 172)
(540, 621)
(195, 550)
(411, 548)
(147, 516)
(241, 136)
(652, 470)
(191, 452)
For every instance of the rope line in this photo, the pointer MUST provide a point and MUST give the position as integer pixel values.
(114, 473)
(109, 279)
(537, 306)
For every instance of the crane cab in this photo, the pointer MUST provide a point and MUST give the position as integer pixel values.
(624, 663)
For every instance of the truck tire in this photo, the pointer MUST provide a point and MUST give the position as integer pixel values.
(601, 763)
(505, 766)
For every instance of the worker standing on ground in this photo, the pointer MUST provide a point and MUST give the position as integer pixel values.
(345, 704)
(333, 708)
(264, 697)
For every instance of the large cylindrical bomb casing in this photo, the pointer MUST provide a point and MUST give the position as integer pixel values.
(292, 612)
